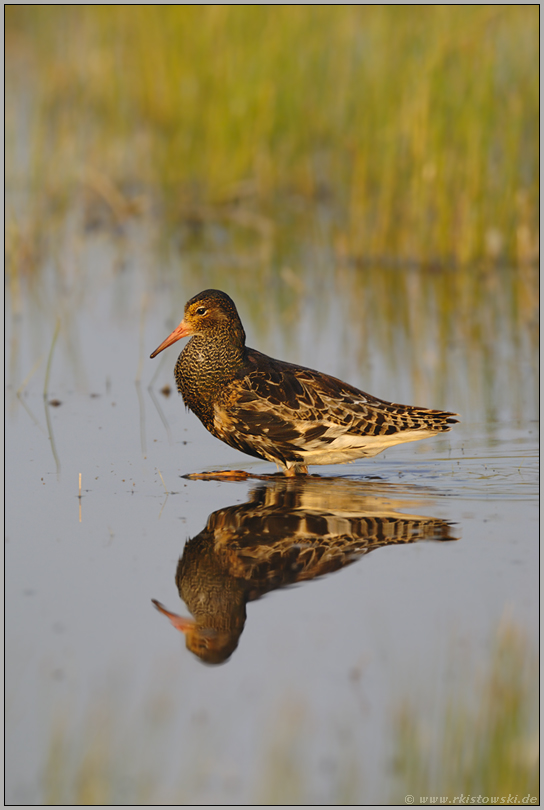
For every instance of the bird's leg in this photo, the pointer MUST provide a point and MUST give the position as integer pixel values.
(296, 469)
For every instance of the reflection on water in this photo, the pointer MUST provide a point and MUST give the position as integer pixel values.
(289, 531)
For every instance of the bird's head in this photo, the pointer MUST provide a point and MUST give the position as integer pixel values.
(209, 313)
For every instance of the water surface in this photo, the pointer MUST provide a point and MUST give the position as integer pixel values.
(326, 639)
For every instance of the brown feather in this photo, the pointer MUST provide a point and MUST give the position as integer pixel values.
(279, 411)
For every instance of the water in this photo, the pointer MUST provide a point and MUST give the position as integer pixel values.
(319, 667)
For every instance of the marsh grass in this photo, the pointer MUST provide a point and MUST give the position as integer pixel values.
(418, 125)
(483, 741)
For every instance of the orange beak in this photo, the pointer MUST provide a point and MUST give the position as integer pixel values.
(179, 622)
(180, 331)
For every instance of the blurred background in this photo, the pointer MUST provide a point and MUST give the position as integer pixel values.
(363, 181)
(417, 126)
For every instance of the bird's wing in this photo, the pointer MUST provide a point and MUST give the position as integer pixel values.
(281, 411)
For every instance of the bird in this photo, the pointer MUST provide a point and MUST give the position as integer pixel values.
(278, 411)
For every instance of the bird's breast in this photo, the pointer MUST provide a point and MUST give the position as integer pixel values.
(202, 372)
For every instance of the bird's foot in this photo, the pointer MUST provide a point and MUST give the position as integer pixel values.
(220, 475)
(299, 472)
(238, 475)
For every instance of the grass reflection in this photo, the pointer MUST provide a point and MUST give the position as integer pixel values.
(483, 740)
(487, 745)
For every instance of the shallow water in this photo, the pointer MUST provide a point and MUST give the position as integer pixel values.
(319, 664)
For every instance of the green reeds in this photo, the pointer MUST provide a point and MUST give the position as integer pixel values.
(418, 124)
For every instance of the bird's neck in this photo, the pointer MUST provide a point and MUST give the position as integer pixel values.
(217, 357)
(203, 368)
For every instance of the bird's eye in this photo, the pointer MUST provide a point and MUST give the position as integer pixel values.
(201, 311)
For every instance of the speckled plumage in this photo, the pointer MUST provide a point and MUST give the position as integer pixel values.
(288, 414)
(290, 531)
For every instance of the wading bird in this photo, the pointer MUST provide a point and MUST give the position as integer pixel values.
(279, 411)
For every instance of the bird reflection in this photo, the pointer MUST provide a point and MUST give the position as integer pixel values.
(289, 531)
